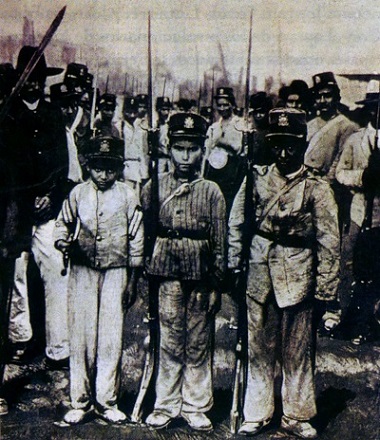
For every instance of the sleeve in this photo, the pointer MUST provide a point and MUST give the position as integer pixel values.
(218, 233)
(325, 216)
(236, 229)
(346, 174)
(66, 218)
(136, 244)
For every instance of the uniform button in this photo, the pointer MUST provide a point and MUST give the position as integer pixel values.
(100, 214)
(40, 152)
(99, 238)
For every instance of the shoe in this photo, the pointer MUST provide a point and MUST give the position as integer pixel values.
(61, 364)
(158, 420)
(252, 428)
(198, 421)
(76, 416)
(112, 415)
(299, 428)
(3, 407)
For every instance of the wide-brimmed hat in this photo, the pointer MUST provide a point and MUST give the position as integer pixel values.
(41, 71)
(372, 95)
(287, 122)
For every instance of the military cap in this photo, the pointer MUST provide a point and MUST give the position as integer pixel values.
(184, 104)
(107, 100)
(372, 95)
(130, 103)
(105, 148)
(298, 87)
(287, 122)
(142, 99)
(163, 102)
(187, 125)
(41, 71)
(59, 92)
(225, 92)
(323, 80)
(206, 111)
(76, 70)
(260, 100)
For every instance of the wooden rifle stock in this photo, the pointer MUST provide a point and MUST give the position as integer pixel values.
(236, 413)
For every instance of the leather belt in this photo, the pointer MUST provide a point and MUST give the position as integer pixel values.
(182, 233)
(294, 241)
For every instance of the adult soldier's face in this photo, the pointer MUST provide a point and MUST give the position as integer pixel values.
(224, 107)
(32, 90)
(130, 115)
(69, 111)
(325, 101)
(107, 113)
(288, 152)
(186, 156)
(294, 101)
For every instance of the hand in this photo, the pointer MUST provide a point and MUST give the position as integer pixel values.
(62, 245)
(331, 319)
(42, 208)
(214, 303)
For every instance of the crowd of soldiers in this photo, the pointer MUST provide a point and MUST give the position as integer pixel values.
(296, 181)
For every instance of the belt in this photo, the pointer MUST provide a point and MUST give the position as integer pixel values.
(182, 233)
(294, 241)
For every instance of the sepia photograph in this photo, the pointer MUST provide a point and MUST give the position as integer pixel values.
(189, 219)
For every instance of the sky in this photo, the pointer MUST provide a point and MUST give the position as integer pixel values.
(291, 38)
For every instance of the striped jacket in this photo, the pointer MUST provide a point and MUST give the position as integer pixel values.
(191, 242)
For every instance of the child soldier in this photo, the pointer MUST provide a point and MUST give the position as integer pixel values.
(188, 262)
(105, 257)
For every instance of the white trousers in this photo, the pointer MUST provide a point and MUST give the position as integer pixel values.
(50, 263)
(96, 327)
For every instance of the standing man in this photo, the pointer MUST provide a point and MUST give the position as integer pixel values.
(294, 259)
(36, 150)
(188, 262)
(104, 125)
(225, 163)
(327, 133)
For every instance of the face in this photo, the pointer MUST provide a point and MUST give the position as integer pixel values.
(163, 114)
(288, 152)
(372, 113)
(69, 111)
(103, 176)
(142, 110)
(294, 101)
(325, 101)
(186, 156)
(32, 90)
(224, 107)
(260, 117)
(130, 115)
(107, 113)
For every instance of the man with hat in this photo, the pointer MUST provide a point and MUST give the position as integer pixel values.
(104, 125)
(188, 264)
(225, 153)
(327, 133)
(163, 108)
(259, 106)
(36, 149)
(293, 266)
(297, 95)
(75, 77)
(105, 254)
(358, 170)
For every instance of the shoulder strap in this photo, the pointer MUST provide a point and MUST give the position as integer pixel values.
(182, 189)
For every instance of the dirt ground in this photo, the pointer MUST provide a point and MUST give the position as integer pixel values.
(347, 383)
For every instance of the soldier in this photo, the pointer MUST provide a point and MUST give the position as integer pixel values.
(188, 262)
(259, 106)
(104, 125)
(294, 258)
(225, 163)
(359, 170)
(75, 77)
(163, 107)
(326, 135)
(104, 261)
(36, 150)
(8, 79)
(298, 95)
(142, 105)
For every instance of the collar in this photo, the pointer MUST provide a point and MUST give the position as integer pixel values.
(297, 173)
(32, 106)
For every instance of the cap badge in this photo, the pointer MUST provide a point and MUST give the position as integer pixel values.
(105, 146)
(317, 79)
(283, 120)
(189, 122)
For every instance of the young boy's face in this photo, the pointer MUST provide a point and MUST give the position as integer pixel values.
(103, 175)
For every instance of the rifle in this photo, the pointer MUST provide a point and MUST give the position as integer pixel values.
(32, 63)
(151, 341)
(240, 288)
(94, 99)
